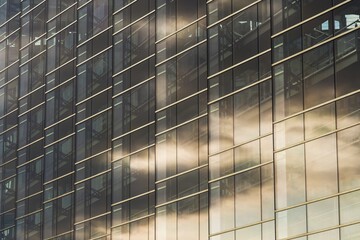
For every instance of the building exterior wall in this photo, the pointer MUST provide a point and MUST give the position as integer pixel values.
(180, 119)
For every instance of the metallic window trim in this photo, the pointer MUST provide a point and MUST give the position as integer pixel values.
(84, 4)
(240, 172)
(92, 218)
(242, 227)
(311, 18)
(315, 46)
(160, 6)
(134, 220)
(318, 106)
(30, 161)
(240, 90)
(92, 156)
(27, 145)
(58, 197)
(4, 229)
(134, 22)
(94, 56)
(6, 179)
(93, 36)
(133, 87)
(239, 63)
(94, 115)
(123, 7)
(29, 196)
(11, 80)
(94, 95)
(132, 198)
(133, 65)
(32, 58)
(29, 110)
(233, 14)
(180, 53)
(9, 35)
(31, 92)
(93, 176)
(11, 160)
(7, 21)
(241, 143)
(317, 200)
(9, 66)
(7, 211)
(7, 114)
(181, 124)
(58, 178)
(57, 68)
(33, 41)
(182, 173)
(182, 198)
(180, 29)
(132, 131)
(132, 153)
(61, 30)
(101, 237)
(314, 138)
(181, 100)
(34, 7)
(59, 140)
(60, 84)
(60, 121)
(9, 129)
(28, 214)
(59, 235)
(63, 11)
(320, 231)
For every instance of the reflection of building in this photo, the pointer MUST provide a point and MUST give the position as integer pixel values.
(180, 119)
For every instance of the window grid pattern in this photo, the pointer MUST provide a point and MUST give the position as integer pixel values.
(179, 119)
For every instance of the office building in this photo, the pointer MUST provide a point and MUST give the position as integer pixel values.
(180, 119)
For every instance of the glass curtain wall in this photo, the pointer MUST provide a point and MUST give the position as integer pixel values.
(179, 119)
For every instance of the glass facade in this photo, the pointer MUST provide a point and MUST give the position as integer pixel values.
(180, 119)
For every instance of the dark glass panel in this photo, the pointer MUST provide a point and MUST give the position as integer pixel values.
(218, 10)
(317, 30)
(288, 87)
(285, 13)
(318, 74)
(287, 44)
(220, 46)
(312, 7)
(245, 34)
(347, 63)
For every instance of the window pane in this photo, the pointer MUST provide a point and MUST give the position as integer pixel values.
(290, 177)
(321, 171)
(323, 214)
(348, 154)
